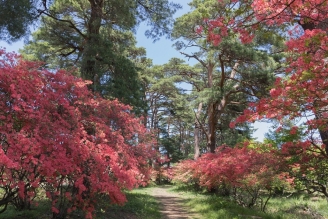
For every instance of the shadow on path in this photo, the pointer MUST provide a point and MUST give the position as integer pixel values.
(171, 204)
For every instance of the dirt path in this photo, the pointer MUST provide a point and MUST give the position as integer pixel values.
(172, 204)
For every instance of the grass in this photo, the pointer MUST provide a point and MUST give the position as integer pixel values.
(41, 211)
(211, 206)
(299, 206)
(140, 205)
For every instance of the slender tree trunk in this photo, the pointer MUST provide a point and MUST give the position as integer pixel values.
(145, 113)
(90, 53)
(212, 119)
(212, 123)
(168, 136)
(181, 139)
(187, 150)
(196, 132)
(153, 115)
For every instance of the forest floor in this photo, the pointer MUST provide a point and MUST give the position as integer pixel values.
(177, 203)
(171, 204)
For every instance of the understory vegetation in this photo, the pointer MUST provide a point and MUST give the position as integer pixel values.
(287, 206)
(141, 205)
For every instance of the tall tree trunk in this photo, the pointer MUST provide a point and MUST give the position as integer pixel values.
(196, 132)
(323, 131)
(324, 138)
(145, 113)
(212, 118)
(187, 148)
(168, 136)
(153, 108)
(90, 53)
(212, 123)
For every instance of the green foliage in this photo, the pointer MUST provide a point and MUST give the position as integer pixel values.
(116, 70)
(168, 111)
(157, 13)
(16, 16)
(95, 41)
(171, 147)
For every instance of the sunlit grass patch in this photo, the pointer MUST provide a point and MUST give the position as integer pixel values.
(140, 205)
(211, 206)
(299, 206)
(214, 207)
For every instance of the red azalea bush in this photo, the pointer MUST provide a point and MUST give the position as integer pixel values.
(302, 92)
(57, 135)
(309, 167)
(245, 172)
(162, 174)
(161, 171)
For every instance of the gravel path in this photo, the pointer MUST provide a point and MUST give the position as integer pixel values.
(172, 204)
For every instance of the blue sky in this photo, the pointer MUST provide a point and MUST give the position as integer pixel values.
(160, 52)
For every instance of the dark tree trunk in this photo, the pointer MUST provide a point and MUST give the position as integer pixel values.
(212, 118)
(90, 54)
(212, 123)
(323, 133)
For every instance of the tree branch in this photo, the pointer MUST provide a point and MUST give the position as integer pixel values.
(65, 21)
(195, 57)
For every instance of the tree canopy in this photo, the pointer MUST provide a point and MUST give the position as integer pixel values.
(96, 37)
(16, 16)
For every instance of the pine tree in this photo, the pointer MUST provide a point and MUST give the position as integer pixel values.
(16, 17)
(229, 74)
